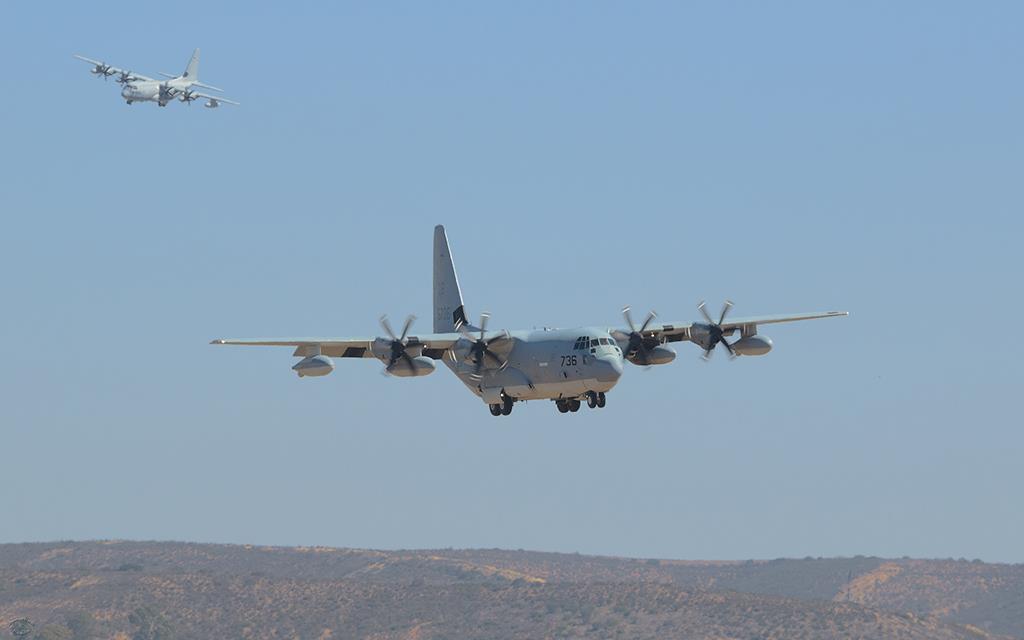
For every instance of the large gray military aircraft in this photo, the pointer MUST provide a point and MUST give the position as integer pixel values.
(568, 366)
(139, 88)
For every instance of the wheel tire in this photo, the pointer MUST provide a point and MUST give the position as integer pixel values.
(574, 405)
(600, 400)
(495, 409)
(592, 400)
(563, 407)
(506, 407)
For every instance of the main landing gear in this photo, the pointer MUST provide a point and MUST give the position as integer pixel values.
(503, 408)
(595, 400)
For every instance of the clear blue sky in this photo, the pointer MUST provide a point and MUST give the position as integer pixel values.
(790, 156)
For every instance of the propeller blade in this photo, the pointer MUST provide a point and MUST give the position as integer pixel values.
(707, 354)
(704, 312)
(501, 363)
(629, 319)
(728, 347)
(387, 327)
(484, 317)
(725, 310)
(405, 329)
(408, 359)
(504, 335)
(650, 316)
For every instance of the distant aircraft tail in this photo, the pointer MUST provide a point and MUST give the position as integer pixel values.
(449, 314)
(192, 70)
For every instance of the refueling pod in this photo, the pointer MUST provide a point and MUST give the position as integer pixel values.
(754, 345)
(313, 366)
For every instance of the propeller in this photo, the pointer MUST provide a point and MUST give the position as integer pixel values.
(714, 331)
(397, 344)
(480, 350)
(637, 345)
(187, 97)
(125, 77)
(103, 70)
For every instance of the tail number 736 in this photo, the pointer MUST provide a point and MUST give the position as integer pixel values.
(568, 361)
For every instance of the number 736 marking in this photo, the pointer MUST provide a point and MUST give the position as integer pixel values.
(568, 361)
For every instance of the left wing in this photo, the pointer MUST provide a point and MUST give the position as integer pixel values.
(434, 345)
(101, 68)
(675, 332)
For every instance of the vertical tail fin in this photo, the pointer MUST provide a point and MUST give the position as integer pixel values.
(192, 70)
(449, 314)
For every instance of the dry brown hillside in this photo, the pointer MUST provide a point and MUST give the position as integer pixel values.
(155, 590)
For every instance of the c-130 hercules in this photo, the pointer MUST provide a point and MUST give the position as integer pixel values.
(568, 366)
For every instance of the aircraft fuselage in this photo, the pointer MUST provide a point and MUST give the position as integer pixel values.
(547, 364)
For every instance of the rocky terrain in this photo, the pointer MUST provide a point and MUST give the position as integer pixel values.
(161, 590)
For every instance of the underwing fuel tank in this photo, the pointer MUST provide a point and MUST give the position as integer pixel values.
(313, 366)
(752, 346)
(413, 367)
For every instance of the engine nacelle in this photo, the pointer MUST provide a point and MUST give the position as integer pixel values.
(655, 355)
(402, 368)
(211, 104)
(313, 366)
(752, 345)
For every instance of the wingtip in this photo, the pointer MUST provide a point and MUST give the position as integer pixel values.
(218, 341)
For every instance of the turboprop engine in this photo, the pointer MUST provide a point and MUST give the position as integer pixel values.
(658, 355)
(640, 346)
(313, 366)
(483, 352)
(417, 366)
(401, 355)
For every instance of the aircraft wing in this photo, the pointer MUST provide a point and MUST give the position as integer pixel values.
(214, 100)
(674, 332)
(114, 71)
(434, 345)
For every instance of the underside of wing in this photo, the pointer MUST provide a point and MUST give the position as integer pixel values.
(432, 345)
(735, 323)
(213, 101)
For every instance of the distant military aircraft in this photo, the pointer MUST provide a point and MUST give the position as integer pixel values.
(139, 88)
(568, 366)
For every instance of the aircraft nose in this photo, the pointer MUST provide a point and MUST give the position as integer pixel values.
(609, 368)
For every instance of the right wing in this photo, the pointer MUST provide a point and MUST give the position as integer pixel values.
(213, 100)
(434, 345)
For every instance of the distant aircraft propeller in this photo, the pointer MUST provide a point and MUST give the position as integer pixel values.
(103, 70)
(187, 97)
(399, 343)
(481, 347)
(124, 77)
(714, 331)
(637, 345)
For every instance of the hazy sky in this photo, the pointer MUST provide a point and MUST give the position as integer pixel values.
(790, 156)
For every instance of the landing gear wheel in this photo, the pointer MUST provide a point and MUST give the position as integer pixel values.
(495, 409)
(563, 406)
(506, 406)
(574, 405)
(592, 400)
(600, 400)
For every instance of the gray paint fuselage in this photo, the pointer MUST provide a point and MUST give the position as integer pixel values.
(545, 364)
